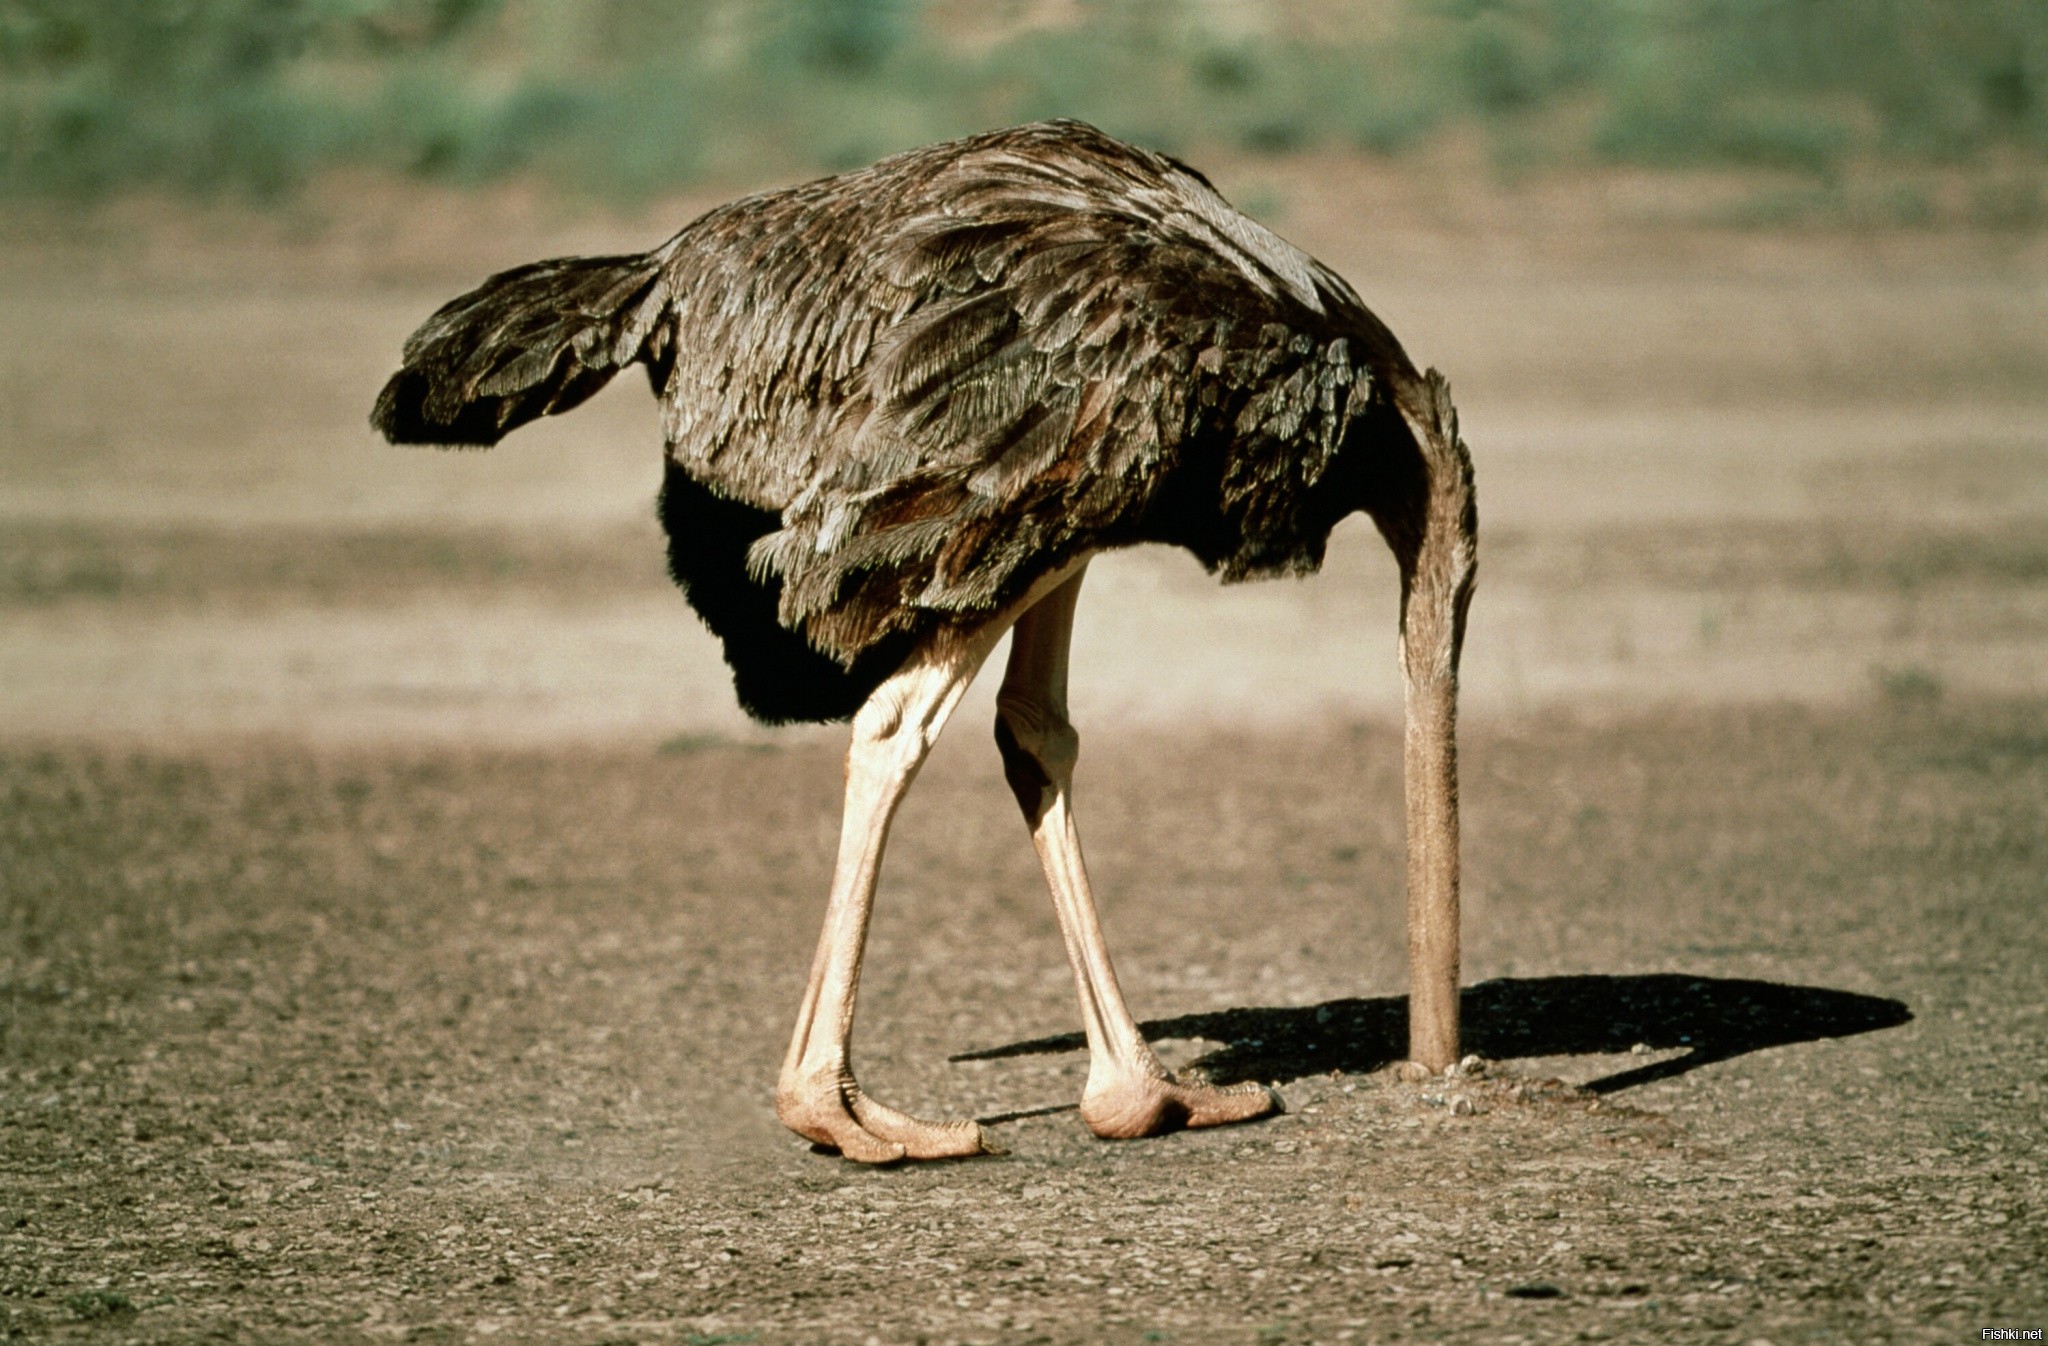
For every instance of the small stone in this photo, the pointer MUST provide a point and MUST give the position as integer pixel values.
(1413, 1072)
(1461, 1107)
(1474, 1066)
(1640, 1049)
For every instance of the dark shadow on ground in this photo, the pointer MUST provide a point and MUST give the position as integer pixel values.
(1711, 1018)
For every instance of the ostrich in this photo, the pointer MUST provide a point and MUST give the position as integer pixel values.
(903, 407)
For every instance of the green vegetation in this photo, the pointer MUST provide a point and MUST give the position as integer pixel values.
(1908, 685)
(92, 1305)
(623, 98)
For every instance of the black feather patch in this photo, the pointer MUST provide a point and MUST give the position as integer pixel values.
(778, 677)
(401, 416)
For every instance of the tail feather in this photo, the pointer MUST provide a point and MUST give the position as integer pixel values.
(526, 343)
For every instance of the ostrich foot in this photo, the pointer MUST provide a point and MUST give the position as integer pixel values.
(1151, 1105)
(829, 1110)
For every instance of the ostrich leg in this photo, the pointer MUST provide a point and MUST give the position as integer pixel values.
(1129, 1091)
(817, 1096)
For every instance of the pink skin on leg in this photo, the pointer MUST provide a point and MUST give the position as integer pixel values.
(817, 1095)
(1129, 1092)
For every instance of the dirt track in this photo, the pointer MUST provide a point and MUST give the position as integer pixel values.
(399, 931)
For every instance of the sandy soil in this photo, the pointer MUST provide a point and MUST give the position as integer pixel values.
(399, 929)
(355, 1044)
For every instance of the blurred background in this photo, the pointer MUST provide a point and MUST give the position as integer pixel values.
(1876, 111)
(1742, 300)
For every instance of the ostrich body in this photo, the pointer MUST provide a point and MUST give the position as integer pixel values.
(903, 408)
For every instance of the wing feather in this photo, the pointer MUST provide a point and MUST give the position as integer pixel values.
(1010, 364)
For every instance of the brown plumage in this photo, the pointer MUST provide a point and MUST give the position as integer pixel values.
(900, 402)
(950, 371)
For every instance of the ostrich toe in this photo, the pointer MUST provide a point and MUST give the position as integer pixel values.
(831, 1111)
(1149, 1105)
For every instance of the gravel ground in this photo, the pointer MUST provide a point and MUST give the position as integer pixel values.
(325, 1044)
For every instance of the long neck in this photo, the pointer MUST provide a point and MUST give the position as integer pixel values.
(1438, 555)
(1430, 758)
